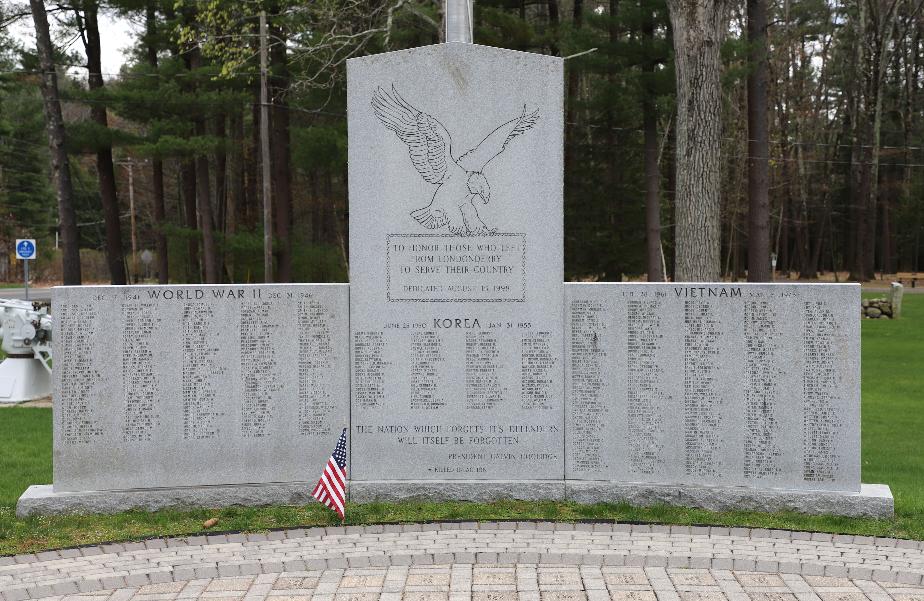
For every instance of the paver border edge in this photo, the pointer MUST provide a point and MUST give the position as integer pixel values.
(594, 525)
(213, 570)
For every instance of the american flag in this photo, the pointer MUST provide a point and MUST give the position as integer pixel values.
(331, 486)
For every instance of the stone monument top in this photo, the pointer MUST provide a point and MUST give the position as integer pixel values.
(456, 267)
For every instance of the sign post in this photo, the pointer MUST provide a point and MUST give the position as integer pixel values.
(25, 251)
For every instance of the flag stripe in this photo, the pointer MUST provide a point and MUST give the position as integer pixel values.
(335, 471)
(334, 480)
(332, 487)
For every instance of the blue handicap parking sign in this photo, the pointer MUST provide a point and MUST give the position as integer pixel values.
(25, 249)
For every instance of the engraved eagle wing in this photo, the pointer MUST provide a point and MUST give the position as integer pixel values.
(496, 141)
(428, 142)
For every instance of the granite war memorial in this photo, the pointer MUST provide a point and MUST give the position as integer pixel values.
(460, 362)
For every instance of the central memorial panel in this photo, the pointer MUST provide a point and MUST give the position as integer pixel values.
(455, 155)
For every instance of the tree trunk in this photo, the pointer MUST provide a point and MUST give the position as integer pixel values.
(860, 187)
(221, 186)
(572, 138)
(252, 203)
(104, 167)
(280, 156)
(157, 165)
(758, 146)
(235, 183)
(698, 28)
(573, 87)
(60, 163)
(193, 275)
(314, 191)
(554, 21)
(886, 253)
(784, 261)
(160, 217)
(808, 269)
(204, 204)
(856, 113)
(652, 169)
(613, 25)
(670, 175)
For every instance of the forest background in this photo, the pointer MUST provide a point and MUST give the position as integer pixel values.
(165, 157)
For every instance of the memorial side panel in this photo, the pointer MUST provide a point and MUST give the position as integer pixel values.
(722, 384)
(166, 386)
(456, 264)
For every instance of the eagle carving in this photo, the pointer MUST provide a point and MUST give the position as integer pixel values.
(458, 180)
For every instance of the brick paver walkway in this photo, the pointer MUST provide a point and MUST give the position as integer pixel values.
(516, 561)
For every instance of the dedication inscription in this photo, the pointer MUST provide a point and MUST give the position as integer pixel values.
(714, 384)
(166, 386)
(456, 264)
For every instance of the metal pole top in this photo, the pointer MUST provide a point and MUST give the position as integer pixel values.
(458, 20)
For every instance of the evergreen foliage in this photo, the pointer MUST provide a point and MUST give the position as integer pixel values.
(846, 177)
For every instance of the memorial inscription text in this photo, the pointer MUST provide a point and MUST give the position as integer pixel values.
(198, 379)
(759, 380)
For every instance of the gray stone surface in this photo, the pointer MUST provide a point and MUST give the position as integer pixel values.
(43, 500)
(896, 292)
(365, 491)
(456, 264)
(873, 500)
(171, 386)
(753, 385)
(466, 368)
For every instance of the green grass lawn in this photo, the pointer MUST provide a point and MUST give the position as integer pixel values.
(893, 406)
(893, 453)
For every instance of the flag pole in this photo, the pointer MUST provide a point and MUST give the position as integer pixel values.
(457, 15)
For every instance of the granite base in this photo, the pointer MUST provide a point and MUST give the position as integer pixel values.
(873, 500)
(481, 491)
(43, 500)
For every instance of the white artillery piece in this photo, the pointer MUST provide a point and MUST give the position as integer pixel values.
(25, 337)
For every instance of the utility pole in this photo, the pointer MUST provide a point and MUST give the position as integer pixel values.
(265, 152)
(129, 165)
(131, 210)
